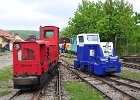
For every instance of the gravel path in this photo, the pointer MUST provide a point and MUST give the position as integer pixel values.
(50, 91)
(6, 60)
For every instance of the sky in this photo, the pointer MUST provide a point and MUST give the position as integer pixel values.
(30, 14)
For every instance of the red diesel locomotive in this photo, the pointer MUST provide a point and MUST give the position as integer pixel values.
(35, 61)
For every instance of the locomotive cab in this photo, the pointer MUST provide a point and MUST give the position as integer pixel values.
(95, 56)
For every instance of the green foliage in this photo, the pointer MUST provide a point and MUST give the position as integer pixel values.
(110, 19)
(81, 91)
(25, 33)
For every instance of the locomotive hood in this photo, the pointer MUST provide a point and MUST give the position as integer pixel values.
(107, 48)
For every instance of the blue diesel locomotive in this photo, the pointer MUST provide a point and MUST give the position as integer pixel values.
(95, 56)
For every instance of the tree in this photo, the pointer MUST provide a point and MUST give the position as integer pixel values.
(110, 19)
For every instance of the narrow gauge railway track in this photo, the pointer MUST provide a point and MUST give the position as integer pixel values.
(131, 58)
(113, 90)
(84, 80)
(124, 81)
(59, 88)
(130, 80)
(22, 95)
(16, 94)
(37, 95)
(134, 66)
(51, 91)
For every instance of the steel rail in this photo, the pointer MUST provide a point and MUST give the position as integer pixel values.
(59, 84)
(130, 96)
(16, 94)
(122, 83)
(123, 92)
(36, 95)
(138, 82)
(130, 66)
(87, 82)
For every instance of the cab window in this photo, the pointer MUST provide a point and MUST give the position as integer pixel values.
(48, 33)
(81, 39)
(26, 54)
(92, 38)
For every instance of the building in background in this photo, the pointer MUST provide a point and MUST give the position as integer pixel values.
(18, 37)
(6, 40)
(64, 40)
(63, 43)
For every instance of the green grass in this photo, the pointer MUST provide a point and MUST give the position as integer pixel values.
(2, 93)
(71, 60)
(129, 74)
(5, 85)
(3, 53)
(81, 91)
(6, 74)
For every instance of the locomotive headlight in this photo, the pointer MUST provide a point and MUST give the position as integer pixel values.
(17, 46)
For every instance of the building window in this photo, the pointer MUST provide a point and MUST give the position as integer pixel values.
(81, 39)
(48, 34)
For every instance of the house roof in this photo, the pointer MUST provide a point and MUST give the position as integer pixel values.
(6, 35)
(19, 36)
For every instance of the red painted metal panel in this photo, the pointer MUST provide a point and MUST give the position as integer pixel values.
(36, 56)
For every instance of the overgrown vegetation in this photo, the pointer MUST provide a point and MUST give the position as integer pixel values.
(129, 74)
(114, 20)
(5, 74)
(81, 91)
(2, 93)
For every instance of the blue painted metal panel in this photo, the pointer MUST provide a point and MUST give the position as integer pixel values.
(97, 64)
